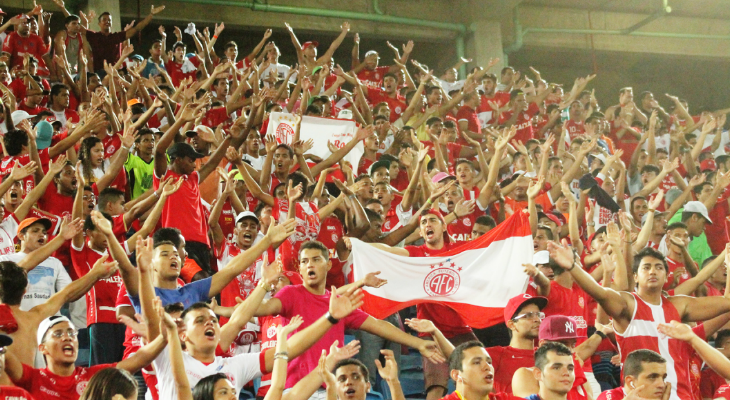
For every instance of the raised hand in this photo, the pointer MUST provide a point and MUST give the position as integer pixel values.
(20, 172)
(156, 10)
(464, 208)
(535, 186)
(278, 233)
(530, 270)
(562, 254)
(103, 268)
(144, 250)
(389, 371)
(283, 331)
(657, 200)
(677, 330)
(430, 351)
(101, 223)
(372, 280)
(69, 229)
(294, 192)
(341, 306)
(421, 325)
(440, 191)
(270, 273)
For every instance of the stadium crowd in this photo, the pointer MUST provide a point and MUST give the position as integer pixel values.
(156, 242)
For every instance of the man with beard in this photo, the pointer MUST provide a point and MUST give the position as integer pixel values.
(21, 41)
(522, 316)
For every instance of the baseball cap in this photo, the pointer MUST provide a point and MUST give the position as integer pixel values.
(441, 176)
(182, 149)
(517, 302)
(371, 53)
(203, 132)
(379, 164)
(645, 216)
(294, 277)
(697, 207)
(246, 214)
(136, 57)
(601, 157)
(30, 221)
(541, 257)
(48, 323)
(132, 102)
(44, 133)
(314, 43)
(551, 217)
(596, 233)
(708, 164)
(5, 340)
(20, 115)
(558, 327)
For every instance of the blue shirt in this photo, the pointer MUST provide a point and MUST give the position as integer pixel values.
(150, 70)
(187, 295)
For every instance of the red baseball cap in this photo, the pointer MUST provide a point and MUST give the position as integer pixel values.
(312, 43)
(435, 212)
(517, 302)
(708, 164)
(30, 221)
(558, 327)
(294, 277)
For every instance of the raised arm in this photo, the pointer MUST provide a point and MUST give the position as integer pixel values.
(716, 360)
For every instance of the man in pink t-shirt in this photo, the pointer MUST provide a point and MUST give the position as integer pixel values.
(310, 300)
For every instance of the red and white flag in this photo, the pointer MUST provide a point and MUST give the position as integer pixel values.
(320, 130)
(475, 279)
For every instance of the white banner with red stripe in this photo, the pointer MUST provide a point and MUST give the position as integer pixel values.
(320, 130)
(476, 279)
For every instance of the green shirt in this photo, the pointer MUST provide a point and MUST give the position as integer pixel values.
(698, 248)
(139, 174)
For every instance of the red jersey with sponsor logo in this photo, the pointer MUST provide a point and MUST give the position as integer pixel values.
(308, 228)
(227, 220)
(613, 394)
(523, 123)
(112, 143)
(330, 232)
(373, 78)
(492, 396)
(485, 111)
(244, 283)
(269, 325)
(397, 105)
(445, 318)
(575, 128)
(101, 299)
(7, 164)
(14, 393)
(44, 384)
(460, 228)
(723, 392)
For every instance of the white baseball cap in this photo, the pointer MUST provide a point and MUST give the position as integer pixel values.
(697, 207)
(48, 323)
(20, 115)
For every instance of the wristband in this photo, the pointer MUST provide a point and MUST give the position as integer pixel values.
(282, 353)
(215, 36)
(283, 357)
(601, 334)
(331, 319)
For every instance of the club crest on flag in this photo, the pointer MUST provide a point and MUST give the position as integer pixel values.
(284, 133)
(442, 281)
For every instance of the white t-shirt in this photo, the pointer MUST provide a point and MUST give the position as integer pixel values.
(60, 116)
(257, 163)
(45, 280)
(450, 86)
(279, 69)
(239, 369)
(8, 231)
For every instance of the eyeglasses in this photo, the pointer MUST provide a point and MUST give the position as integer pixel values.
(71, 333)
(530, 315)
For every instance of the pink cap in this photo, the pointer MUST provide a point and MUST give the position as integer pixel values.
(313, 43)
(441, 176)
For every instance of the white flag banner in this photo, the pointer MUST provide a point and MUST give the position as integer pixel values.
(321, 130)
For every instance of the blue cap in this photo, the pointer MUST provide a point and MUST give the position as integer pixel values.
(44, 134)
(136, 57)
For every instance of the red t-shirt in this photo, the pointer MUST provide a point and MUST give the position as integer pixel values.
(492, 396)
(575, 128)
(308, 228)
(17, 86)
(18, 46)
(722, 392)
(373, 78)
(42, 383)
(101, 299)
(717, 233)
(612, 394)
(217, 116)
(445, 318)
(184, 209)
(7, 164)
(572, 302)
(453, 150)
(523, 124)
(673, 265)
(174, 69)
(397, 105)
(485, 111)
(227, 220)
(330, 232)
(460, 228)
(470, 116)
(509, 360)
(111, 143)
(14, 393)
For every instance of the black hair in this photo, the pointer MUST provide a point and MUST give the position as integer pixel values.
(456, 359)
(648, 252)
(486, 220)
(56, 90)
(171, 235)
(676, 225)
(108, 195)
(372, 215)
(205, 388)
(89, 223)
(14, 141)
(635, 199)
(71, 18)
(313, 109)
(392, 75)
(85, 156)
(541, 353)
(174, 307)
(314, 244)
(650, 168)
(178, 44)
(13, 281)
(287, 147)
(547, 230)
(353, 361)
(195, 306)
(296, 178)
(633, 364)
